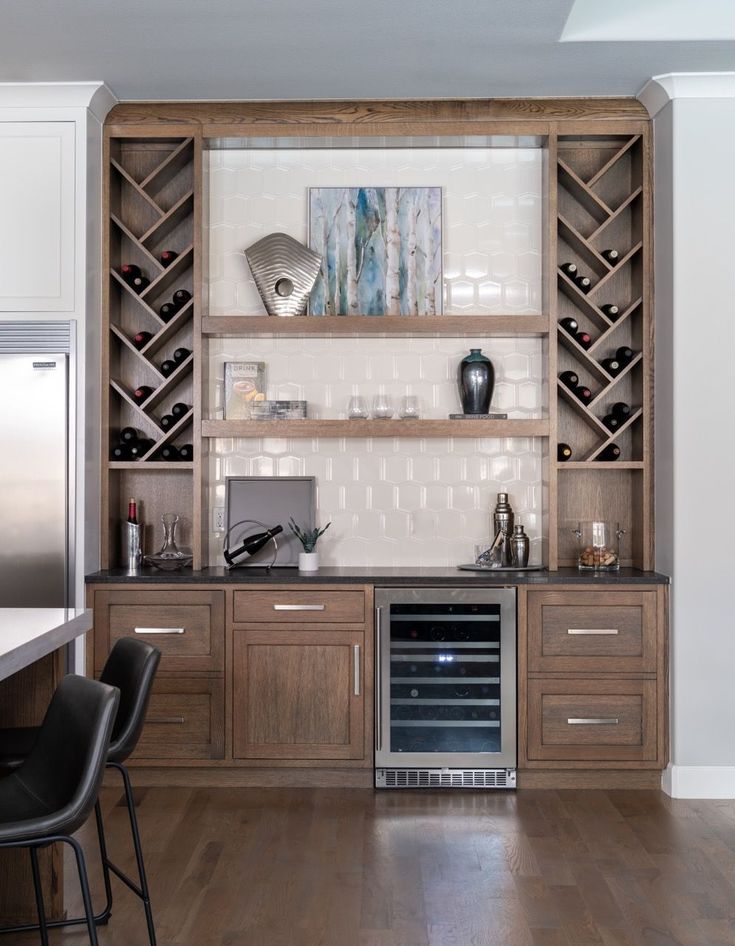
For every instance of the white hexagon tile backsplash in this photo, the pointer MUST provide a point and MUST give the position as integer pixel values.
(327, 372)
(392, 501)
(396, 501)
(491, 216)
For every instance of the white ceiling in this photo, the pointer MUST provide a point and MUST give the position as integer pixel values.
(274, 49)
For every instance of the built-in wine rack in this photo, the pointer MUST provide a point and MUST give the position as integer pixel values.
(151, 199)
(603, 205)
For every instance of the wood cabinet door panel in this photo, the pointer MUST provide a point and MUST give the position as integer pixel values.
(298, 695)
(185, 719)
(592, 720)
(299, 607)
(187, 626)
(608, 632)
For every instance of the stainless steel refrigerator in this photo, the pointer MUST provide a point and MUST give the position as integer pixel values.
(35, 551)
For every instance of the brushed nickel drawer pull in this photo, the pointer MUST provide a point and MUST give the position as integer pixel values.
(590, 631)
(160, 630)
(356, 667)
(594, 721)
(299, 607)
(172, 720)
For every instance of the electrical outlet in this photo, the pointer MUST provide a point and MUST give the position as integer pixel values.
(218, 519)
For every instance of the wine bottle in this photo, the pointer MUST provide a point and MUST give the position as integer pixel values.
(139, 283)
(168, 367)
(612, 256)
(186, 452)
(624, 355)
(611, 421)
(141, 339)
(129, 271)
(569, 325)
(570, 379)
(610, 310)
(128, 435)
(167, 311)
(120, 452)
(142, 393)
(140, 448)
(569, 269)
(611, 452)
(178, 410)
(583, 282)
(583, 394)
(132, 511)
(563, 452)
(168, 452)
(168, 420)
(620, 409)
(253, 544)
(181, 354)
(612, 366)
(167, 257)
(181, 297)
(583, 340)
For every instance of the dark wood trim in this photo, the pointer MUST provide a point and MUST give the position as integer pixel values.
(360, 113)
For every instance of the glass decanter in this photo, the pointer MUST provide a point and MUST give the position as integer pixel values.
(169, 558)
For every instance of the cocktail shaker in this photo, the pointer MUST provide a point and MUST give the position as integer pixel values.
(519, 547)
(503, 520)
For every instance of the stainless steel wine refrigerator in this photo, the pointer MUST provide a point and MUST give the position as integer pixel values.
(445, 703)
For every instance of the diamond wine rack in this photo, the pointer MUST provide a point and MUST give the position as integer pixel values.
(151, 210)
(603, 205)
(600, 193)
(152, 199)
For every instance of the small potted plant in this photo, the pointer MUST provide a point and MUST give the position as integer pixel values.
(309, 558)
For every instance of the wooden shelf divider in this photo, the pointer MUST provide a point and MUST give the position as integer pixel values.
(234, 326)
(521, 427)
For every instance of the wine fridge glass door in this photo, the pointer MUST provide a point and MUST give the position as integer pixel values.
(446, 678)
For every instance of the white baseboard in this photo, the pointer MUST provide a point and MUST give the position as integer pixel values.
(699, 781)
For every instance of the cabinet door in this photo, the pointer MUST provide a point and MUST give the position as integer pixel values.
(298, 694)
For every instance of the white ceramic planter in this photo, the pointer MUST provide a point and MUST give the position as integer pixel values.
(308, 561)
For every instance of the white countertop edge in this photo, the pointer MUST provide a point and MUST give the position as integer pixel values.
(31, 643)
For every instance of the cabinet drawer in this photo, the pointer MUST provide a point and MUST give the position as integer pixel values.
(187, 626)
(185, 720)
(592, 631)
(592, 720)
(299, 607)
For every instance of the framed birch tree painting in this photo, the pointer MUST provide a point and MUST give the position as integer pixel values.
(381, 250)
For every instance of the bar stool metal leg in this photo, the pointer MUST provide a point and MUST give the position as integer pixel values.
(38, 890)
(142, 891)
(86, 897)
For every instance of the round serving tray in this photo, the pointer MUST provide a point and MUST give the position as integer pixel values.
(490, 568)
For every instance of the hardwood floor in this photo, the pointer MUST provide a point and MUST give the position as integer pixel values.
(350, 867)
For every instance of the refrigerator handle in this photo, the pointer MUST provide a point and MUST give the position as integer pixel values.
(378, 679)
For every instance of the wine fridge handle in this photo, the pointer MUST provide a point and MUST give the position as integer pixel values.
(378, 679)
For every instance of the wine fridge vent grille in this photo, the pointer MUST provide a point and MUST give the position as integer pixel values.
(445, 778)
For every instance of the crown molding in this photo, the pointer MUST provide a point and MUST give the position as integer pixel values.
(95, 96)
(660, 90)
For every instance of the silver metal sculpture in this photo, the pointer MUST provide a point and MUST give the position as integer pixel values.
(284, 271)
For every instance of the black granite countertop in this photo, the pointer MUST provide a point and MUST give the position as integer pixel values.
(376, 576)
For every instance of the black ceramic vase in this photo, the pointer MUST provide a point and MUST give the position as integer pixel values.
(476, 378)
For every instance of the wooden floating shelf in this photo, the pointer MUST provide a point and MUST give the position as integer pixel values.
(229, 326)
(150, 465)
(375, 428)
(601, 465)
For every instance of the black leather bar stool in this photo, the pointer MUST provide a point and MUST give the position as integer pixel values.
(131, 667)
(52, 793)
